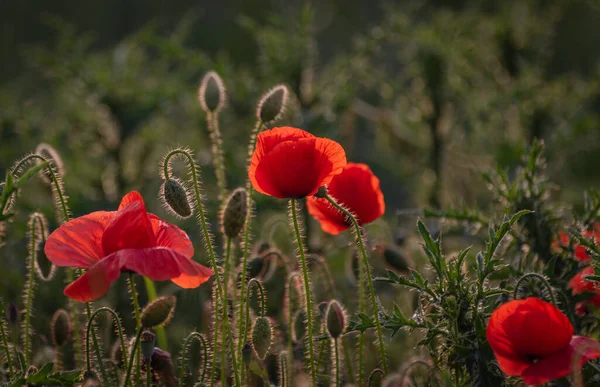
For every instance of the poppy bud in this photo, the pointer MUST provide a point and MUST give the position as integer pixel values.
(235, 213)
(323, 308)
(175, 198)
(272, 104)
(395, 260)
(116, 354)
(148, 340)
(352, 269)
(212, 93)
(299, 329)
(247, 353)
(52, 156)
(13, 314)
(158, 312)
(261, 337)
(336, 320)
(60, 327)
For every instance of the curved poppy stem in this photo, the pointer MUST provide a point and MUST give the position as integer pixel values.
(138, 324)
(540, 278)
(246, 243)
(89, 328)
(131, 357)
(5, 343)
(209, 246)
(307, 295)
(367, 269)
(184, 357)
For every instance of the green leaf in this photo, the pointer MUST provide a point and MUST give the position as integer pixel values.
(258, 370)
(42, 375)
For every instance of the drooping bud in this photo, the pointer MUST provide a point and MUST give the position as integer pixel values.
(162, 364)
(300, 327)
(336, 320)
(323, 308)
(61, 327)
(212, 93)
(148, 341)
(272, 104)
(247, 353)
(261, 337)
(235, 213)
(116, 354)
(158, 312)
(52, 156)
(175, 198)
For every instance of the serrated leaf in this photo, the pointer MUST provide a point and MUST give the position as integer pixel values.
(42, 375)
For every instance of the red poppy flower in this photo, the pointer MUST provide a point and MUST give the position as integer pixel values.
(582, 307)
(580, 252)
(579, 285)
(292, 163)
(533, 339)
(357, 189)
(130, 239)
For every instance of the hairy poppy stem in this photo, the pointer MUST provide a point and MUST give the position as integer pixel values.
(209, 247)
(291, 286)
(131, 357)
(212, 120)
(542, 279)
(5, 343)
(138, 325)
(261, 300)
(184, 357)
(89, 328)
(336, 351)
(246, 243)
(347, 360)
(216, 326)
(95, 343)
(367, 270)
(161, 337)
(148, 374)
(307, 295)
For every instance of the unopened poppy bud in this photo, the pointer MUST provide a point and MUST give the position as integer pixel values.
(61, 327)
(272, 104)
(261, 337)
(52, 156)
(13, 314)
(148, 340)
(299, 328)
(176, 198)
(247, 353)
(336, 319)
(158, 312)
(116, 354)
(396, 260)
(323, 308)
(212, 93)
(235, 213)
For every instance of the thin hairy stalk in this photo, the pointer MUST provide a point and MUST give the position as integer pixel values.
(88, 310)
(211, 252)
(148, 374)
(22, 179)
(138, 325)
(347, 360)
(291, 286)
(336, 352)
(372, 376)
(223, 358)
(131, 356)
(216, 322)
(283, 370)
(321, 352)
(35, 238)
(227, 268)
(307, 296)
(77, 342)
(540, 278)
(90, 328)
(161, 336)
(246, 247)
(367, 270)
(5, 343)
(262, 301)
(212, 120)
(184, 357)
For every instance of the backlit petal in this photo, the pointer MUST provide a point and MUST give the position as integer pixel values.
(171, 236)
(78, 243)
(95, 282)
(130, 228)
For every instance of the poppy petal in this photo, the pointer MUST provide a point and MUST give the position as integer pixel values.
(132, 196)
(171, 236)
(156, 263)
(78, 243)
(95, 282)
(580, 350)
(269, 139)
(193, 274)
(130, 228)
(579, 285)
(295, 169)
(331, 220)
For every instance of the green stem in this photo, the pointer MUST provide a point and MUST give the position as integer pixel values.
(210, 248)
(138, 325)
(161, 336)
(88, 310)
(337, 362)
(291, 287)
(131, 357)
(347, 361)
(78, 343)
(89, 329)
(148, 373)
(212, 119)
(6, 347)
(361, 359)
(367, 269)
(542, 279)
(261, 299)
(213, 367)
(307, 296)
(227, 270)
(184, 357)
(223, 358)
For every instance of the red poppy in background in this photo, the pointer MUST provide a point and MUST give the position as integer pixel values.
(580, 252)
(291, 163)
(357, 189)
(130, 239)
(533, 339)
(582, 307)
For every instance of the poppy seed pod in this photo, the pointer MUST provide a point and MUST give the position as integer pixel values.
(261, 337)
(336, 320)
(175, 198)
(212, 93)
(61, 327)
(272, 104)
(158, 312)
(52, 156)
(147, 340)
(235, 213)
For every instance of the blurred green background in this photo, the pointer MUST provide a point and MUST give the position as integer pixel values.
(426, 92)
